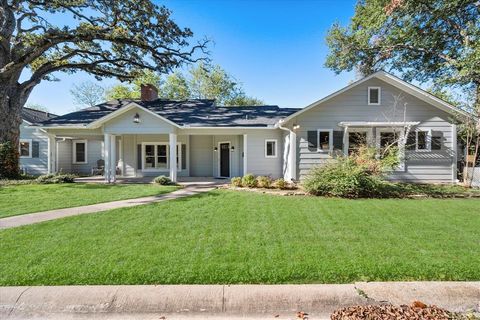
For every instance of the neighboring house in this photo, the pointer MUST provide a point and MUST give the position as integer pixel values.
(33, 142)
(150, 137)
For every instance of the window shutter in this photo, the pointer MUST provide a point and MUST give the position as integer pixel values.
(184, 156)
(312, 140)
(139, 156)
(338, 139)
(437, 140)
(35, 149)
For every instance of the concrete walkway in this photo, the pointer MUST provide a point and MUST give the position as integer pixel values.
(31, 218)
(225, 301)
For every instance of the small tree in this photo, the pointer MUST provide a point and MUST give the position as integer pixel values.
(87, 94)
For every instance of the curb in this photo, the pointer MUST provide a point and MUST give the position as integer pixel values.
(210, 301)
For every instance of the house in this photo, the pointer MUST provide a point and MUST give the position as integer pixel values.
(150, 136)
(33, 142)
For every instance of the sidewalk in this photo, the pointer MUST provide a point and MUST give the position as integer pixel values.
(222, 301)
(31, 218)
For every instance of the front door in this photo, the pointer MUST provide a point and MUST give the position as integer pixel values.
(225, 159)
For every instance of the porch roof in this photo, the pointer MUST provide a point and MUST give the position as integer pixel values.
(187, 113)
(378, 123)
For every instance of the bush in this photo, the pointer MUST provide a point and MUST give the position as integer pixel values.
(236, 181)
(56, 178)
(9, 160)
(264, 182)
(280, 184)
(162, 180)
(249, 181)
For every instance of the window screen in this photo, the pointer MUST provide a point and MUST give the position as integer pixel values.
(324, 140)
(374, 96)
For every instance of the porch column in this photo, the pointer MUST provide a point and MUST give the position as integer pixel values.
(455, 156)
(173, 156)
(113, 158)
(106, 152)
(293, 155)
(245, 154)
(52, 154)
(345, 141)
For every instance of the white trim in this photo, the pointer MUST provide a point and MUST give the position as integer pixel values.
(275, 149)
(454, 150)
(74, 149)
(397, 82)
(29, 148)
(378, 123)
(131, 105)
(245, 154)
(330, 140)
(428, 143)
(156, 144)
(229, 159)
(270, 127)
(379, 96)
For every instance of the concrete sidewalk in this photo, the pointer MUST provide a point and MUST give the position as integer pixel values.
(31, 218)
(224, 301)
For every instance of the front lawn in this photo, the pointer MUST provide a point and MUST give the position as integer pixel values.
(21, 199)
(241, 237)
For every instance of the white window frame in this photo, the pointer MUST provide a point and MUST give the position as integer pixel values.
(429, 140)
(275, 149)
(74, 151)
(330, 140)
(29, 148)
(167, 169)
(379, 96)
(369, 132)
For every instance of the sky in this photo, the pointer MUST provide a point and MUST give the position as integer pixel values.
(276, 49)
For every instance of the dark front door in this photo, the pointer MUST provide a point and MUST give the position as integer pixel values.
(225, 159)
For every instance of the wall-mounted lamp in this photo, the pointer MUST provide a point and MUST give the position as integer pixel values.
(232, 148)
(215, 149)
(296, 126)
(136, 118)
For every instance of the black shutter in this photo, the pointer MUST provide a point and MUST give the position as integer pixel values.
(338, 140)
(139, 156)
(35, 149)
(184, 156)
(437, 140)
(312, 140)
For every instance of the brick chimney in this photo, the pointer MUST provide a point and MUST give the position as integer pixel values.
(148, 92)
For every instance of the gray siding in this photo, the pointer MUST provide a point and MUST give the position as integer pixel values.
(257, 163)
(94, 153)
(123, 124)
(201, 156)
(35, 166)
(351, 105)
(64, 155)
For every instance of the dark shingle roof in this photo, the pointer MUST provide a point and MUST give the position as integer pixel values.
(189, 113)
(34, 116)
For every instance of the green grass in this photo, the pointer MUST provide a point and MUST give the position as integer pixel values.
(21, 199)
(243, 237)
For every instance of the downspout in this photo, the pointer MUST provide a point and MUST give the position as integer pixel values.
(292, 161)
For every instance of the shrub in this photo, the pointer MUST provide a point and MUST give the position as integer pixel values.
(9, 157)
(236, 181)
(280, 183)
(162, 180)
(249, 181)
(56, 178)
(264, 182)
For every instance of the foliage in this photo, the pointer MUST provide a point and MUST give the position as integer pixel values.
(56, 178)
(8, 161)
(358, 175)
(236, 181)
(87, 94)
(163, 180)
(249, 181)
(264, 182)
(202, 81)
(280, 184)
(245, 237)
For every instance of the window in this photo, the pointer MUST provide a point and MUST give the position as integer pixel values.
(374, 95)
(325, 140)
(162, 157)
(156, 156)
(356, 140)
(417, 140)
(25, 148)
(79, 151)
(270, 148)
(388, 140)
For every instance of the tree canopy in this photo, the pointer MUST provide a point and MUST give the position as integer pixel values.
(202, 81)
(87, 94)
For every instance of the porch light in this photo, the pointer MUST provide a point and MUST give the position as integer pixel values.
(215, 149)
(296, 126)
(136, 118)
(233, 148)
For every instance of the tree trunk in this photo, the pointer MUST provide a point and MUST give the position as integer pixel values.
(12, 100)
